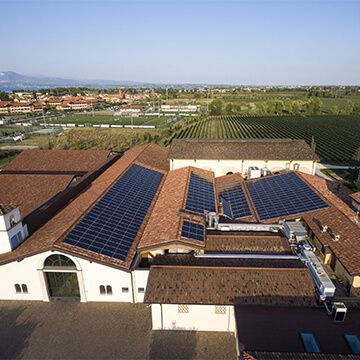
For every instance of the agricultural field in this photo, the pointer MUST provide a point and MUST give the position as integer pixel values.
(89, 119)
(337, 138)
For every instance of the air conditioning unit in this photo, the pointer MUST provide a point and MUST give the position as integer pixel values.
(338, 312)
(324, 229)
(254, 172)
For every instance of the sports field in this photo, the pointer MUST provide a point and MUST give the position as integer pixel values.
(337, 138)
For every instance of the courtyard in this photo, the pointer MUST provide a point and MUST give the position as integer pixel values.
(68, 330)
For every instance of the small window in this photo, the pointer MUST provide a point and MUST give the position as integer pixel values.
(353, 342)
(108, 290)
(105, 290)
(229, 173)
(310, 343)
(141, 290)
(125, 289)
(24, 288)
(17, 288)
(220, 310)
(183, 309)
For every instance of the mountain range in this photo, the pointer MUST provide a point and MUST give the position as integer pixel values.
(10, 80)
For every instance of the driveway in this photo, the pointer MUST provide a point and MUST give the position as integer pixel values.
(69, 330)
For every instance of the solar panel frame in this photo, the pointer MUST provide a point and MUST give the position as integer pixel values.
(283, 195)
(112, 225)
(194, 231)
(239, 204)
(201, 195)
(226, 207)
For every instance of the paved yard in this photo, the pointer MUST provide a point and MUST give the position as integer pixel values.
(72, 330)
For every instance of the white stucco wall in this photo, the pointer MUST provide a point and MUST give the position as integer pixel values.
(222, 167)
(140, 278)
(199, 318)
(91, 275)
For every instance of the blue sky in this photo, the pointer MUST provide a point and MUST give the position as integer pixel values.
(232, 42)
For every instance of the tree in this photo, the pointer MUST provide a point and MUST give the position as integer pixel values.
(4, 96)
(313, 144)
(334, 110)
(349, 107)
(216, 107)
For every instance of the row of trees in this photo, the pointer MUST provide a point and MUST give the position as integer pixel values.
(311, 106)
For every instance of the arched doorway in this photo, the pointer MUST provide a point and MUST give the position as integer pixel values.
(61, 277)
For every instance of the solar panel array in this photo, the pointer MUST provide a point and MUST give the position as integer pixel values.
(283, 195)
(193, 231)
(227, 209)
(200, 195)
(237, 199)
(111, 226)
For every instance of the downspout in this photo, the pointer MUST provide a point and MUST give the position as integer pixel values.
(162, 321)
(132, 287)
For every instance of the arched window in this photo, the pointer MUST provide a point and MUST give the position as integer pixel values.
(17, 288)
(229, 173)
(59, 261)
(102, 289)
(108, 289)
(24, 288)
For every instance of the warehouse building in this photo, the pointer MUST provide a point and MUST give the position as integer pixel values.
(225, 156)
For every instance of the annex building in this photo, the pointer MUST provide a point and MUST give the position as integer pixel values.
(208, 250)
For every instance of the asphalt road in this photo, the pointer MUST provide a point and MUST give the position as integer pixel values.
(70, 330)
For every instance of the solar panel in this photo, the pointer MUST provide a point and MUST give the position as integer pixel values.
(227, 209)
(283, 195)
(193, 231)
(237, 199)
(111, 226)
(200, 195)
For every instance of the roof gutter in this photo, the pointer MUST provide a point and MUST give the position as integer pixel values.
(246, 256)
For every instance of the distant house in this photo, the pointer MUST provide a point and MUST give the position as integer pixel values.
(224, 156)
(23, 108)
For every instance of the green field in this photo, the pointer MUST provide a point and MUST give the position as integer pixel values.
(336, 137)
(89, 119)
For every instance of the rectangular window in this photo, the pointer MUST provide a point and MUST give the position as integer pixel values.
(141, 290)
(310, 343)
(220, 310)
(125, 289)
(183, 309)
(16, 240)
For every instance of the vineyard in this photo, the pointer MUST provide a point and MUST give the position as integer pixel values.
(337, 138)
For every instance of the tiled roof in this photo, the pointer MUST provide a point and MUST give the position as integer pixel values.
(189, 260)
(238, 243)
(165, 221)
(273, 332)
(264, 355)
(356, 196)
(224, 286)
(6, 207)
(51, 234)
(74, 161)
(346, 249)
(332, 191)
(31, 191)
(236, 149)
